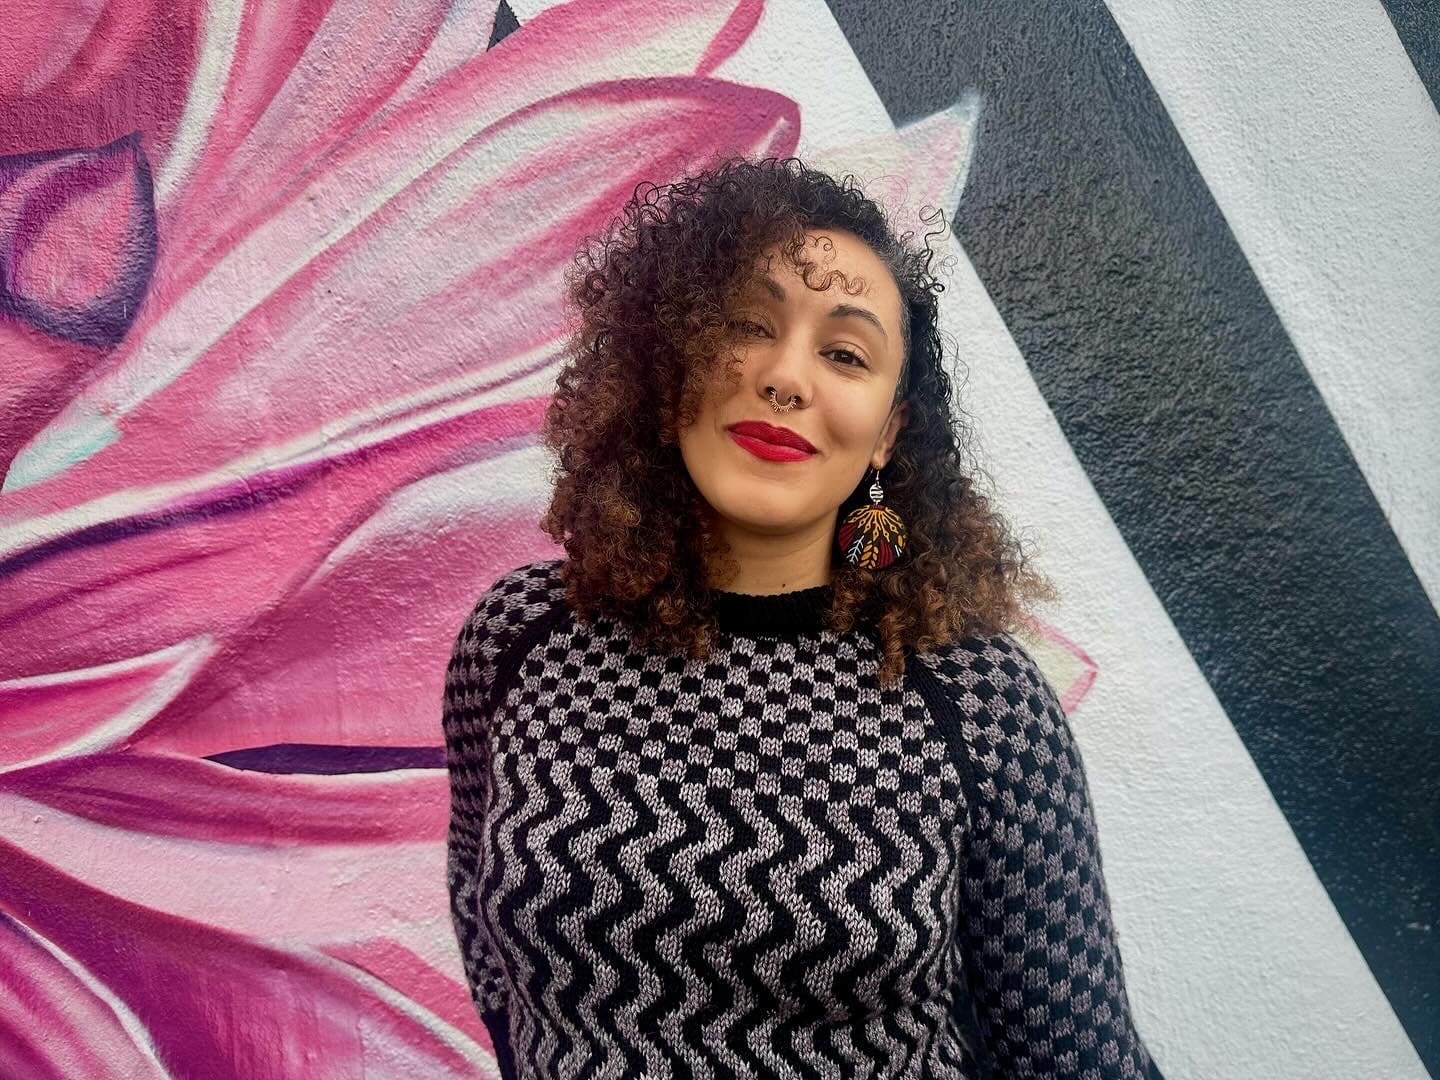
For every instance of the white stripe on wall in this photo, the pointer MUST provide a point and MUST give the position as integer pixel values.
(1321, 147)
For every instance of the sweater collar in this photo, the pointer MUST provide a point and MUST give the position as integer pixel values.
(787, 614)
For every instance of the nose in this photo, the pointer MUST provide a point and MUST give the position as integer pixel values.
(785, 369)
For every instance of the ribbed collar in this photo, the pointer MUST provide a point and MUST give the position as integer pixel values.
(787, 614)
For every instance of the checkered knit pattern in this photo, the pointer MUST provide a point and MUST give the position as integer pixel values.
(762, 864)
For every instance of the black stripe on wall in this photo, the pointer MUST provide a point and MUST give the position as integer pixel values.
(505, 24)
(1211, 448)
(1417, 24)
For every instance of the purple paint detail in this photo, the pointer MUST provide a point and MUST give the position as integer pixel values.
(320, 758)
(36, 187)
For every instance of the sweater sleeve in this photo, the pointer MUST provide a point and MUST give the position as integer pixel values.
(1041, 952)
(470, 679)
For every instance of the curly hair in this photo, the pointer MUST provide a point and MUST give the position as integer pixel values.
(654, 295)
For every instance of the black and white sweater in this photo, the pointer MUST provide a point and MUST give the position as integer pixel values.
(764, 865)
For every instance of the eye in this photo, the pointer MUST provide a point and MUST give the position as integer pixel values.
(748, 326)
(854, 358)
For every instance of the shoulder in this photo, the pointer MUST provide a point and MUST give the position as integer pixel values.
(1004, 713)
(516, 598)
(989, 674)
(517, 605)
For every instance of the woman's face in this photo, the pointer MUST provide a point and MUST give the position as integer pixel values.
(842, 369)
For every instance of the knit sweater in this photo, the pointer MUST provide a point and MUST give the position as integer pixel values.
(762, 864)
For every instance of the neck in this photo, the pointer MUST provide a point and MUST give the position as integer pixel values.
(769, 565)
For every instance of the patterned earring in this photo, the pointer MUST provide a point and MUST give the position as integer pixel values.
(872, 537)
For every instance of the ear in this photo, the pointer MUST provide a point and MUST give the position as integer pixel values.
(898, 417)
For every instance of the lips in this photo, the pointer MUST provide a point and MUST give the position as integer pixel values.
(769, 433)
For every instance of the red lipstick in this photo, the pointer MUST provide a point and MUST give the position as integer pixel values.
(770, 442)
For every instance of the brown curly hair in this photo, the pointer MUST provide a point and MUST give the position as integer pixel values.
(654, 295)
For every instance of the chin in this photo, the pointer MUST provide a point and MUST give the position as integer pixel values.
(762, 507)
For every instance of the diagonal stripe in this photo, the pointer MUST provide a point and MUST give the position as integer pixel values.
(505, 24)
(1185, 400)
(1332, 196)
(1417, 22)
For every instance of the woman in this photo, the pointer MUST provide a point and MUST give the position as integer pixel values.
(753, 783)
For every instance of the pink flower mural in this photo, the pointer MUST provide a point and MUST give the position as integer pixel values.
(279, 313)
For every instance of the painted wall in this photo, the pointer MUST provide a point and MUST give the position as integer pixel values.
(278, 318)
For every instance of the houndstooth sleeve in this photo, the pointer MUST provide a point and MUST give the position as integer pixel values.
(1041, 952)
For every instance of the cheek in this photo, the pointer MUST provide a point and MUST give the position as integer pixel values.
(707, 419)
(718, 392)
(852, 430)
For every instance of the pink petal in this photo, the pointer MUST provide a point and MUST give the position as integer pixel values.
(365, 61)
(319, 893)
(41, 375)
(53, 206)
(85, 74)
(170, 795)
(301, 78)
(202, 993)
(56, 1023)
(356, 654)
(288, 848)
(461, 38)
(92, 708)
(103, 583)
(416, 978)
(1065, 662)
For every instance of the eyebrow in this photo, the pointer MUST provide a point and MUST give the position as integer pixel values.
(838, 311)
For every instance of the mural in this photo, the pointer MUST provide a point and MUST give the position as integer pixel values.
(279, 315)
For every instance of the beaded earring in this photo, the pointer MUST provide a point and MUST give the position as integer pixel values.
(872, 537)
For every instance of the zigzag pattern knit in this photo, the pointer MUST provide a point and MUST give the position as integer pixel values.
(764, 865)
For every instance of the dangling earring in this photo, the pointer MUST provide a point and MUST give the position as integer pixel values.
(872, 537)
